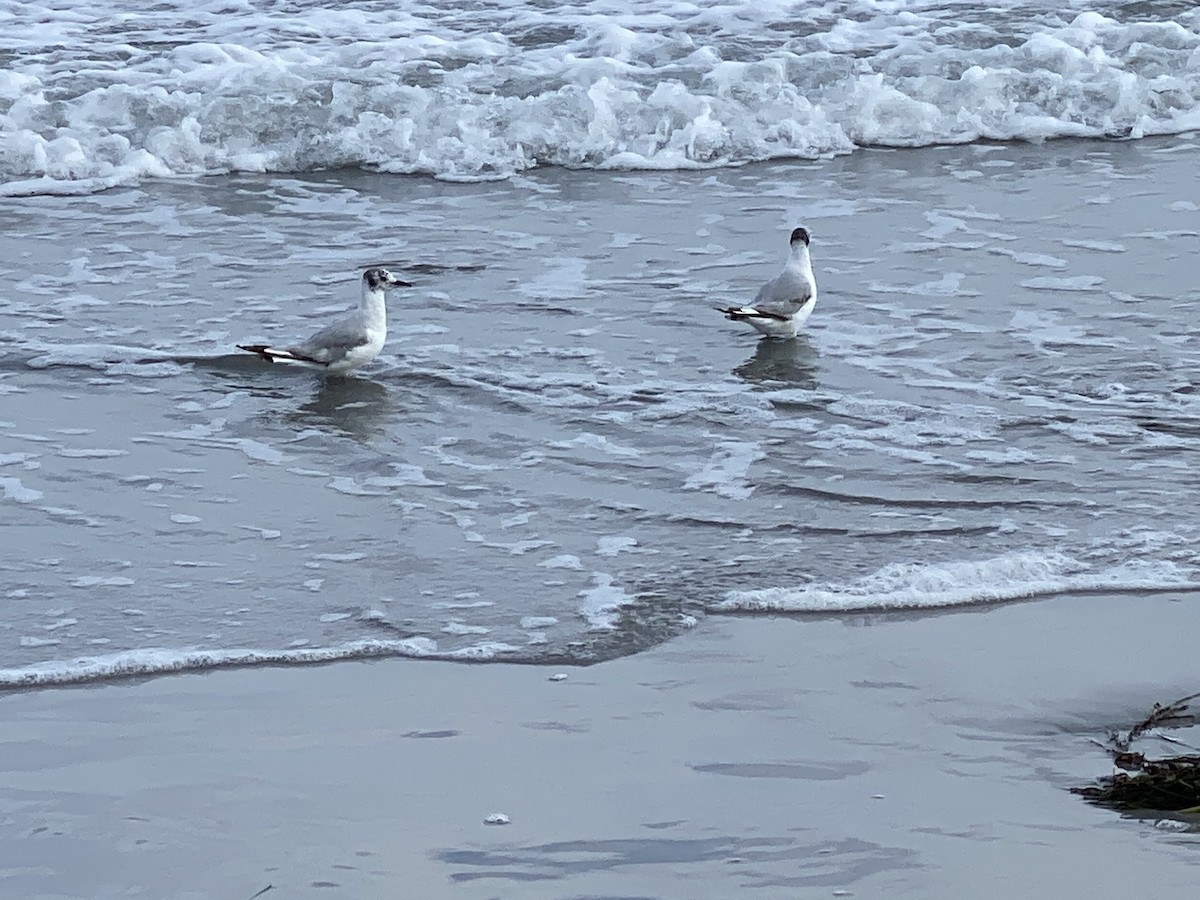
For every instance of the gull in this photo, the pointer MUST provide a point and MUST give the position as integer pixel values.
(785, 302)
(348, 343)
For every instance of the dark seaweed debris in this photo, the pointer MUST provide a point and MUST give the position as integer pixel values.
(1166, 785)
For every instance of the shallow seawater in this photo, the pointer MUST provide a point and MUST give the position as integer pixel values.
(564, 453)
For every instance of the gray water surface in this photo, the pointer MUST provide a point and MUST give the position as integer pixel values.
(564, 453)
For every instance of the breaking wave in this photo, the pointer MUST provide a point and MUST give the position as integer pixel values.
(90, 100)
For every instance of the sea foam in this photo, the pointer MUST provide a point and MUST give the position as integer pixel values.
(159, 661)
(88, 102)
(914, 586)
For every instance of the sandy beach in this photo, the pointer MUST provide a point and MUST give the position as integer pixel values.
(875, 756)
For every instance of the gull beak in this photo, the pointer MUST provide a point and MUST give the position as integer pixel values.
(393, 281)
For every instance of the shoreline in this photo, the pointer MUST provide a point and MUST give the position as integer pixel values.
(772, 757)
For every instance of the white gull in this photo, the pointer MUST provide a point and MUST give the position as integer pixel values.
(785, 302)
(348, 343)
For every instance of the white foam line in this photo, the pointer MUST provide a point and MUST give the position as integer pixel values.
(161, 661)
(912, 586)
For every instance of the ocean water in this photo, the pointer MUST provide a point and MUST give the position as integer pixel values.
(94, 95)
(564, 454)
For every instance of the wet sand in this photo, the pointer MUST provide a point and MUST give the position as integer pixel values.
(867, 756)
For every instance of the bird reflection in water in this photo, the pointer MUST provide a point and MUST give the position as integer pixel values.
(351, 405)
(791, 362)
(355, 406)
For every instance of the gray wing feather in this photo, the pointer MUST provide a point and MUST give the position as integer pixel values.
(783, 295)
(333, 342)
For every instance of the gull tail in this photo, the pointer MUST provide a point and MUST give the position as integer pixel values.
(272, 355)
(744, 313)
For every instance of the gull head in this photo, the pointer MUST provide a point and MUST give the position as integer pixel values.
(799, 234)
(379, 279)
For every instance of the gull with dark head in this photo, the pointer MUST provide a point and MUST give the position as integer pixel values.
(348, 343)
(785, 302)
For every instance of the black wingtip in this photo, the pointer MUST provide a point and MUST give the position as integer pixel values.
(259, 350)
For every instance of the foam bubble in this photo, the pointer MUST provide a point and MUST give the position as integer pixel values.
(461, 628)
(33, 642)
(88, 581)
(562, 561)
(727, 473)
(602, 603)
(1073, 283)
(12, 489)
